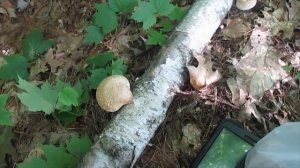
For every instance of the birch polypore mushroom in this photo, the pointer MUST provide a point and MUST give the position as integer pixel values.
(114, 92)
(245, 4)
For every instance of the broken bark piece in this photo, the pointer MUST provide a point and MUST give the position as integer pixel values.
(125, 138)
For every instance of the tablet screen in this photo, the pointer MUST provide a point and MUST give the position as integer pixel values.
(225, 151)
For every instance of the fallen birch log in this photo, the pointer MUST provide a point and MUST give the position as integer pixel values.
(125, 138)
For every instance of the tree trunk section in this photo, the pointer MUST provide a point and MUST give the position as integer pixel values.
(125, 138)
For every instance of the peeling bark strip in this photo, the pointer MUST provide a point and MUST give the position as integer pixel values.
(125, 138)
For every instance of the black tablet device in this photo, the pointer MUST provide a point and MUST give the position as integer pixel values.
(228, 144)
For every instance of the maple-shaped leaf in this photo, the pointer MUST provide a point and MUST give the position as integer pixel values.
(38, 99)
(5, 116)
(145, 13)
(34, 162)
(101, 60)
(93, 35)
(166, 25)
(69, 116)
(34, 44)
(97, 75)
(58, 156)
(122, 6)
(13, 65)
(156, 37)
(81, 86)
(78, 146)
(105, 18)
(163, 7)
(178, 13)
(118, 67)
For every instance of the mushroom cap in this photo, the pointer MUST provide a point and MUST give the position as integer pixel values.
(114, 92)
(245, 4)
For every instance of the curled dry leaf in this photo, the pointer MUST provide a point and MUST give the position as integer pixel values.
(260, 68)
(114, 92)
(238, 92)
(236, 28)
(257, 71)
(248, 110)
(7, 8)
(202, 75)
(245, 4)
(271, 22)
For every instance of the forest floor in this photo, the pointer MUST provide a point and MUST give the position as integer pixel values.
(192, 116)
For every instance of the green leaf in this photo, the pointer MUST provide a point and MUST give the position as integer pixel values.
(101, 60)
(79, 146)
(97, 76)
(166, 25)
(163, 7)
(298, 76)
(34, 44)
(178, 13)
(58, 157)
(93, 35)
(81, 87)
(287, 68)
(156, 37)
(68, 96)
(13, 66)
(5, 116)
(126, 6)
(145, 13)
(70, 116)
(105, 17)
(38, 99)
(34, 162)
(118, 67)
(61, 156)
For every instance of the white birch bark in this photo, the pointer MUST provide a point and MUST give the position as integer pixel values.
(125, 138)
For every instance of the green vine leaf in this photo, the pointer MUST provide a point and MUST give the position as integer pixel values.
(163, 7)
(156, 37)
(97, 75)
(122, 6)
(105, 18)
(93, 35)
(101, 60)
(145, 13)
(34, 44)
(60, 156)
(13, 65)
(118, 67)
